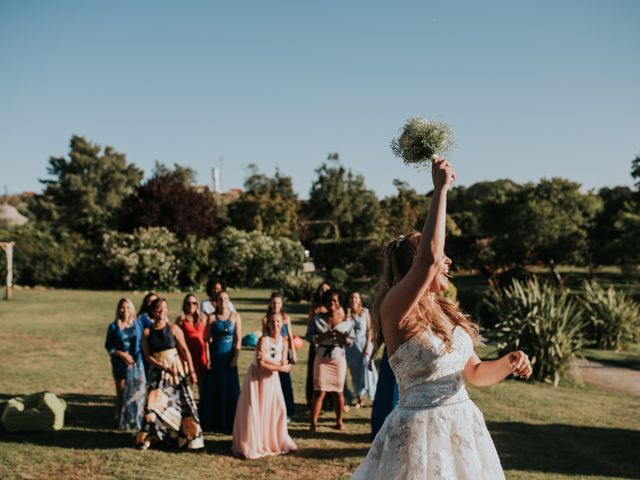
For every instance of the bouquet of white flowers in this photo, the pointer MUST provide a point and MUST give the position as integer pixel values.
(421, 139)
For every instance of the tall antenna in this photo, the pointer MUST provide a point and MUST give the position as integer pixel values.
(216, 177)
(221, 162)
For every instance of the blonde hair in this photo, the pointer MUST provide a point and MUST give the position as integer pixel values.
(130, 305)
(433, 312)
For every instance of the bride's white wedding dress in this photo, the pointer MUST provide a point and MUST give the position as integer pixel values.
(435, 431)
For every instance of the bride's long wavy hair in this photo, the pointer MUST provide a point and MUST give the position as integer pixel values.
(433, 312)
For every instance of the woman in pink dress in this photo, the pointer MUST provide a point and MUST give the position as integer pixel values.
(260, 426)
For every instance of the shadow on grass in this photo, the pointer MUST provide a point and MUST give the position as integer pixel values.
(567, 449)
(331, 453)
(626, 362)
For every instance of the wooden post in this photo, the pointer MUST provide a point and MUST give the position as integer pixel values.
(8, 250)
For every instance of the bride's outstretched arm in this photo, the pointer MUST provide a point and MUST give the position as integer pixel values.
(403, 297)
(484, 374)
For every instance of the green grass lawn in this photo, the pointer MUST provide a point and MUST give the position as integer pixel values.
(53, 340)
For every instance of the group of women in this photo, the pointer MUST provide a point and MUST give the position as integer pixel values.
(155, 363)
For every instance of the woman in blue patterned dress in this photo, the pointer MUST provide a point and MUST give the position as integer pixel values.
(363, 372)
(221, 387)
(123, 343)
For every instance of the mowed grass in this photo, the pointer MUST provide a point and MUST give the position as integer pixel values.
(53, 340)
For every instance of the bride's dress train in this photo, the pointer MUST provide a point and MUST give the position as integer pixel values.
(435, 431)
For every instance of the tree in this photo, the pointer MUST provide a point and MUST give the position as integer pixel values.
(268, 205)
(609, 225)
(165, 201)
(466, 205)
(183, 175)
(619, 224)
(546, 223)
(88, 189)
(635, 171)
(339, 196)
(405, 211)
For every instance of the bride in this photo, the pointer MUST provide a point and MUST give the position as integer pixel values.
(435, 431)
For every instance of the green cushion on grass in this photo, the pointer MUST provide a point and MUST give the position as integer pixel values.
(38, 412)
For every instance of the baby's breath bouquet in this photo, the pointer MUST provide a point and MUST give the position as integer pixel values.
(421, 139)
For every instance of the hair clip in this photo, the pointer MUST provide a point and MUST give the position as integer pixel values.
(399, 240)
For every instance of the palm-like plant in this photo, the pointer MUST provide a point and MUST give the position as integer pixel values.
(544, 322)
(613, 317)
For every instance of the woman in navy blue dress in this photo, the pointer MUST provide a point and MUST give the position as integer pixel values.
(221, 387)
(387, 393)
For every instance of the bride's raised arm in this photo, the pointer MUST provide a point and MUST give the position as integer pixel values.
(403, 296)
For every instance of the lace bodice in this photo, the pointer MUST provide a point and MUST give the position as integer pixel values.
(435, 432)
(427, 374)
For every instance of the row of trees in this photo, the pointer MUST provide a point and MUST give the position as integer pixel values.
(94, 195)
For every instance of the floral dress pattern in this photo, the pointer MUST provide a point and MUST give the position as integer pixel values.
(435, 432)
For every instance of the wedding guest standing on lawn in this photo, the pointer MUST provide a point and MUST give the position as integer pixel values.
(387, 392)
(193, 324)
(214, 286)
(363, 372)
(144, 316)
(275, 308)
(221, 388)
(260, 426)
(171, 415)
(315, 308)
(123, 342)
(330, 333)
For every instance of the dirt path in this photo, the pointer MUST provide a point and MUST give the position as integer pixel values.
(620, 379)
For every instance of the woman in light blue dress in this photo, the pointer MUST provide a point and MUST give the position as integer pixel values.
(363, 372)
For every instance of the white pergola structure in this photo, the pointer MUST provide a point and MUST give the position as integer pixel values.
(8, 250)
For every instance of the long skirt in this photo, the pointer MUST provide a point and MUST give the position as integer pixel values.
(260, 426)
(386, 397)
(287, 392)
(131, 414)
(171, 414)
(364, 378)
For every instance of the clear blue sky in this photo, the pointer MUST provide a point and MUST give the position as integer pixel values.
(531, 88)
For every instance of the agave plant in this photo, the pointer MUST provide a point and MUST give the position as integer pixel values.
(613, 317)
(544, 322)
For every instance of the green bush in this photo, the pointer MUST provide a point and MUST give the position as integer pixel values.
(359, 257)
(253, 259)
(196, 261)
(40, 257)
(298, 286)
(338, 279)
(544, 322)
(143, 260)
(613, 317)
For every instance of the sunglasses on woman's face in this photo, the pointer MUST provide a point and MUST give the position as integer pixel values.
(193, 303)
